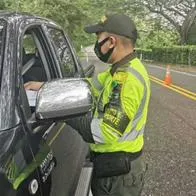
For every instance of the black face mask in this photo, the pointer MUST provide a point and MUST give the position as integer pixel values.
(103, 57)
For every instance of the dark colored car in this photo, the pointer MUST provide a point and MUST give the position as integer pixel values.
(36, 158)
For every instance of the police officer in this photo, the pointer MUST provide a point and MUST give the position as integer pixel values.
(119, 120)
(116, 132)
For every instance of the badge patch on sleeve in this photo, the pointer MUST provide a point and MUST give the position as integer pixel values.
(114, 115)
(116, 119)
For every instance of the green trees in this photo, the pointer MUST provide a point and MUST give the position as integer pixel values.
(71, 15)
(181, 14)
(160, 23)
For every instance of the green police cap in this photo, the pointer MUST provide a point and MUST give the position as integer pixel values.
(118, 24)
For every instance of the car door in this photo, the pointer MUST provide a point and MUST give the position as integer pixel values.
(41, 63)
(37, 64)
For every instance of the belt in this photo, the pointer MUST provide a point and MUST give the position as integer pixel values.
(129, 155)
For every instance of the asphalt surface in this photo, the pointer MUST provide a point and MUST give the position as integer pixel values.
(170, 136)
(170, 149)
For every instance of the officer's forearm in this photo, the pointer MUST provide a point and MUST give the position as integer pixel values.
(33, 85)
(82, 126)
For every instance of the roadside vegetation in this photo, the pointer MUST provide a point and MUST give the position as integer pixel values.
(167, 29)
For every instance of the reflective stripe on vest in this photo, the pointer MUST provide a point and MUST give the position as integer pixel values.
(133, 134)
(96, 83)
(96, 131)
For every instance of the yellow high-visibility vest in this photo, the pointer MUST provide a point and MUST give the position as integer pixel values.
(122, 106)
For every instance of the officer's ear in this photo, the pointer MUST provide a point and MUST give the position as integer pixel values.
(113, 42)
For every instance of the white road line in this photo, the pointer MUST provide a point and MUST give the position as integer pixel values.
(180, 72)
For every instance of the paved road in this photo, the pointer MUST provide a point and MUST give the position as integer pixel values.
(170, 148)
(170, 137)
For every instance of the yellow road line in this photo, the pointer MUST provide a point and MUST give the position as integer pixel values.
(177, 87)
(178, 91)
(185, 90)
(57, 134)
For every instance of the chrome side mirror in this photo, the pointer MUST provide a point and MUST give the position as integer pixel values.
(63, 98)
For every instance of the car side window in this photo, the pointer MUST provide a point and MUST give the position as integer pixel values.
(34, 65)
(63, 51)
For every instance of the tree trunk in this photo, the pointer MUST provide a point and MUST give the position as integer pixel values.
(186, 26)
(183, 38)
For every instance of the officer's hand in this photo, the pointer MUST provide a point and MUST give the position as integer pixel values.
(32, 85)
